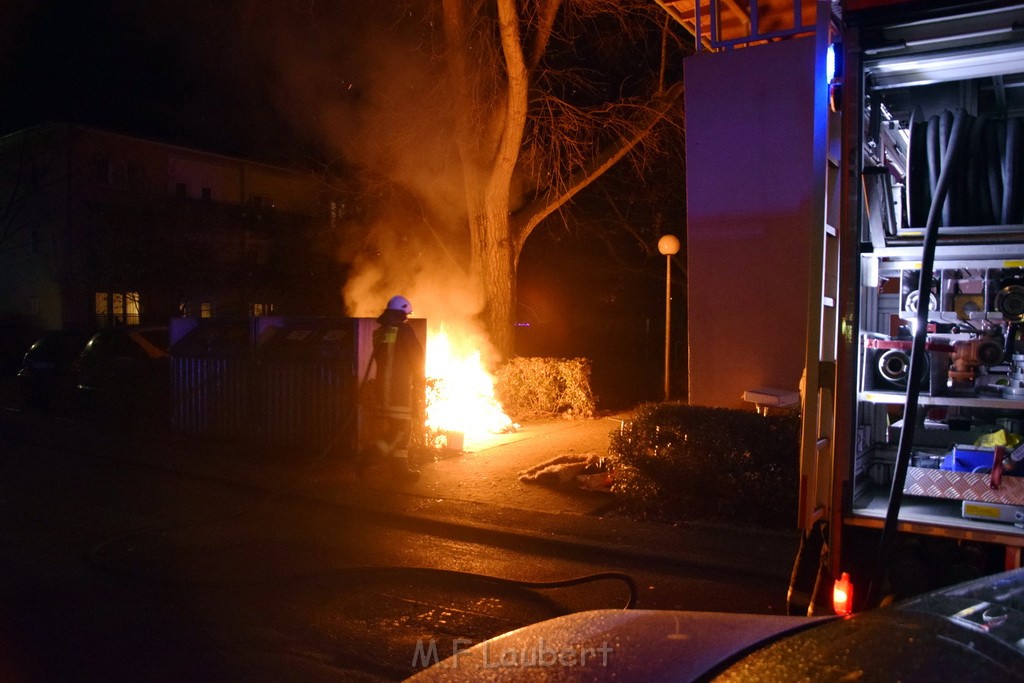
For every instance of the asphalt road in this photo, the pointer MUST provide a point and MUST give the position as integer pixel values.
(115, 570)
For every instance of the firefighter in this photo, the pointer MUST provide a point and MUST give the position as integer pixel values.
(397, 388)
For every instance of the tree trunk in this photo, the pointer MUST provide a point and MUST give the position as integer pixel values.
(494, 263)
(488, 165)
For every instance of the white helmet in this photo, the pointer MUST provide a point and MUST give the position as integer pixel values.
(400, 303)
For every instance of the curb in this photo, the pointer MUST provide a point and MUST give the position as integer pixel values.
(752, 552)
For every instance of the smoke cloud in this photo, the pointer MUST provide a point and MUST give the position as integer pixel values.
(362, 80)
(366, 82)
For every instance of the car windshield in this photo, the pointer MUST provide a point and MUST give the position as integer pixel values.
(993, 605)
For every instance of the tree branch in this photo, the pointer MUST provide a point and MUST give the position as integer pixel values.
(545, 25)
(527, 217)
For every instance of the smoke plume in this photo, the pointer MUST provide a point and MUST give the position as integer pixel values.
(361, 80)
(367, 84)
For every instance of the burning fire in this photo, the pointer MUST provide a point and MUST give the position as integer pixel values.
(460, 393)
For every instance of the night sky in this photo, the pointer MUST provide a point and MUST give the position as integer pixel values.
(184, 72)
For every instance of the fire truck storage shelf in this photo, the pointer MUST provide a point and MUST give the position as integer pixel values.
(920, 84)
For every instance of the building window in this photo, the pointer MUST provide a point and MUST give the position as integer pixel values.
(35, 241)
(207, 194)
(115, 309)
(194, 310)
(261, 309)
(181, 190)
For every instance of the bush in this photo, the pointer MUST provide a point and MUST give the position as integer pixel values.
(677, 463)
(530, 388)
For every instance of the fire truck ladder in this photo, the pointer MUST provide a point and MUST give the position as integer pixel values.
(817, 449)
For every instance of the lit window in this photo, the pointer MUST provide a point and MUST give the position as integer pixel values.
(205, 310)
(261, 309)
(117, 308)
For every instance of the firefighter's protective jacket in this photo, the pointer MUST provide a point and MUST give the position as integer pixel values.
(398, 355)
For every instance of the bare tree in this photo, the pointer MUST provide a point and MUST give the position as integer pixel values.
(535, 122)
(475, 119)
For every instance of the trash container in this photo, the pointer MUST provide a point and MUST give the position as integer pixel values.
(272, 380)
(306, 381)
(212, 379)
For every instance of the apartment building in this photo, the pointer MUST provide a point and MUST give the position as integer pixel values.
(99, 229)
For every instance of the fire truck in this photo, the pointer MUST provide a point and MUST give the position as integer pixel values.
(855, 251)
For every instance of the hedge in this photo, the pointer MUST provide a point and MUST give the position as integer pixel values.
(678, 463)
(531, 388)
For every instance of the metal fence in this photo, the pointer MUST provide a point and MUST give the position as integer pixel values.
(272, 380)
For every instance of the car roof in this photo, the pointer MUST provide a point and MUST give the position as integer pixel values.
(67, 339)
(606, 644)
(969, 631)
(154, 340)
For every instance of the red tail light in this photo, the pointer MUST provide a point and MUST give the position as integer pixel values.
(842, 595)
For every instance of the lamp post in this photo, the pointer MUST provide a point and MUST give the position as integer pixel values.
(668, 245)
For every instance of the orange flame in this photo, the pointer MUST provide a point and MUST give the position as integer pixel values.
(461, 397)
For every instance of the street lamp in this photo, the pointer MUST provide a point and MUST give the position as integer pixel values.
(668, 245)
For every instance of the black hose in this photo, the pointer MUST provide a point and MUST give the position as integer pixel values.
(918, 192)
(1011, 173)
(918, 362)
(994, 167)
(933, 157)
(945, 128)
(97, 560)
(534, 585)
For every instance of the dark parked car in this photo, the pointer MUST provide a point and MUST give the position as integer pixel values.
(125, 368)
(48, 368)
(969, 632)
